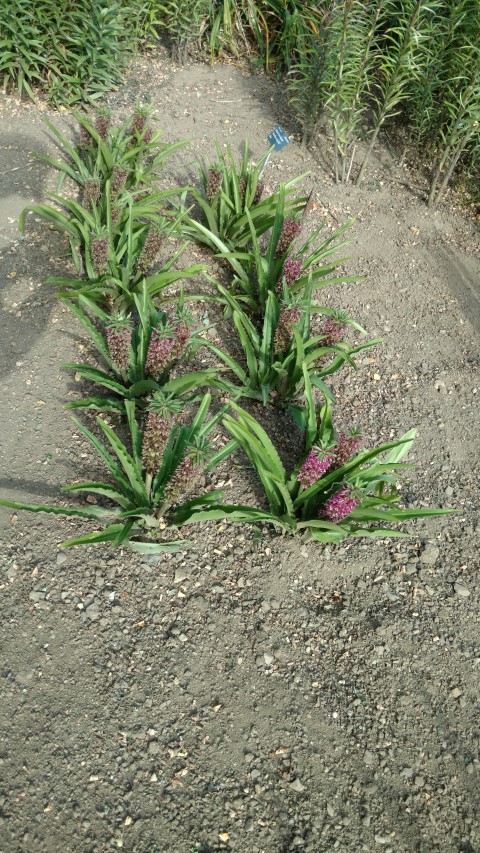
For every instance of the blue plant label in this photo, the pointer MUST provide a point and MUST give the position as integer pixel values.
(278, 138)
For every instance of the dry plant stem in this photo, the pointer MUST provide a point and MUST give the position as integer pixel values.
(373, 140)
(350, 164)
(435, 195)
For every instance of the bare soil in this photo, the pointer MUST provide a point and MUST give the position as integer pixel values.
(254, 693)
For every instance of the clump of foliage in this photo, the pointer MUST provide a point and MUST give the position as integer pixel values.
(184, 23)
(74, 52)
(117, 229)
(140, 352)
(264, 267)
(336, 490)
(153, 481)
(232, 197)
(279, 351)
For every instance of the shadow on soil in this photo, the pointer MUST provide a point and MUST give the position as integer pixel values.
(22, 183)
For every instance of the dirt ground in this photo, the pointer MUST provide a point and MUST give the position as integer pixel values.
(258, 695)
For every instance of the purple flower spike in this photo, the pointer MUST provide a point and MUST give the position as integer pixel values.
(182, 336)
(333, 331)
(340, 505)
(99, 250)
(155, 439)
(287, 321)
(184, 479)
(291, 229)
(291, 270)
(347, 447)
(214, 183)
(316, 464)
(159, 355)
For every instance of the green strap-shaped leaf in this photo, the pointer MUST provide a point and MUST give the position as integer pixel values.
(110, 463)
(79, 512)
(134, 433)
(92, 330)
(103, 404)
(108, 535)
(100, 489)
(133, 471)
(153, 548)
(98, 377)
(310, 413)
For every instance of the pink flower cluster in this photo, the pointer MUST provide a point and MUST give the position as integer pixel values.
(347, 446)
(340, 505)
(102, 124)
(184, 479)
(291, 270)
(315, 466)
(159, 354)
(150, 251)
(155, 438)
(333, 331)
(291, 229)
(99, 251)
(118, 341)
(163, 351)
(288, 319)
(138, 122)
(91, 193)
(214, 182)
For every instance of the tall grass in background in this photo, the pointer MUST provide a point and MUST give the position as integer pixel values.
(444, 111)
(74, 51)
(366, 66)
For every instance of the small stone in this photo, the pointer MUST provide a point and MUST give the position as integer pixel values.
(282, 655)
(461, 589)
(268, 659)
(297, 786)
(369, 758)
(180, 575)
(455, 693)
(449, 491)
(407, 772)
(419, 781)
(36, 596)
(330, 810)
(255, 774)
(298, 842)
(153, 747)
(430, 555)
(61, 558)
(93, 611)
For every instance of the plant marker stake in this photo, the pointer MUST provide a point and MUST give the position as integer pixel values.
(278, 139)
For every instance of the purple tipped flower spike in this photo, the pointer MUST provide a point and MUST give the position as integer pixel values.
(315, 466)
(340, 505)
